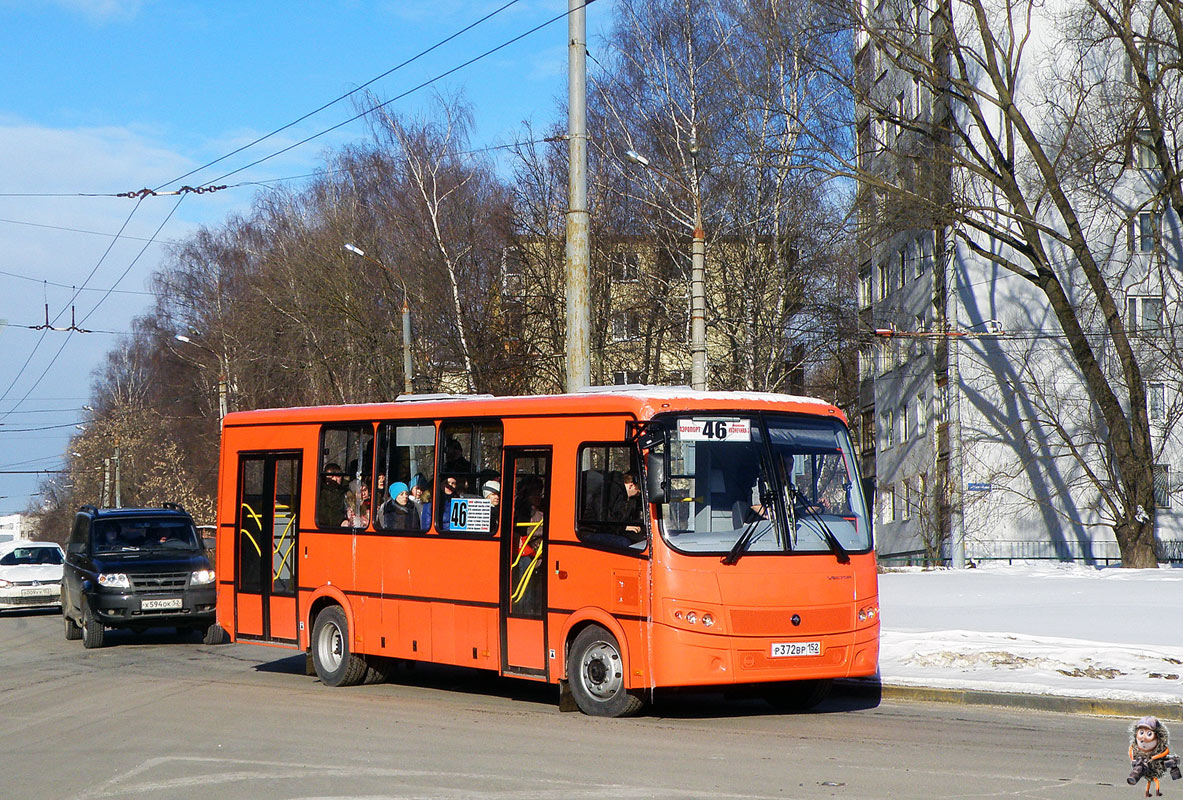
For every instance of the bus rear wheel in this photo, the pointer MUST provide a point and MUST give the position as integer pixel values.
(334, 663)
(797, 695)
(595, 674)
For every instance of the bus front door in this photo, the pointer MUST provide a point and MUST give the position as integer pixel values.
(524, 518)
(265, 551)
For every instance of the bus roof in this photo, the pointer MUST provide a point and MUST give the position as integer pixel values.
(640, 401)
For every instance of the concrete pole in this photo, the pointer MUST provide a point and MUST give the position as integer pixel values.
(698, 295)
(578, 222)
(118, 493)
(956, 479)
(407, 382)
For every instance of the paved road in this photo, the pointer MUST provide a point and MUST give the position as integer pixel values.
(155, 716)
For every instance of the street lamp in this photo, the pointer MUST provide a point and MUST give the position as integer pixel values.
(223, 404)
(406, 314)
(698, 304)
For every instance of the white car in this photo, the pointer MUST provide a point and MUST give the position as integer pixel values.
(30, 574)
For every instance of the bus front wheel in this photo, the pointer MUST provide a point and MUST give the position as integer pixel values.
(595, 674)
(331, 657)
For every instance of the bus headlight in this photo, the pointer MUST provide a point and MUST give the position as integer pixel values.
(868, 613)
(708, 620)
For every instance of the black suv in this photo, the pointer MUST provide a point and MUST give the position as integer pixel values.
(137, 568)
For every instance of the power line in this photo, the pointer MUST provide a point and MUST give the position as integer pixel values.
(344, 96)
(40, 339)
(84, 288)
(385, 103)
(72, 230)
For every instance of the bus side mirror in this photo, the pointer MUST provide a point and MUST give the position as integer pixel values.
(655, 476)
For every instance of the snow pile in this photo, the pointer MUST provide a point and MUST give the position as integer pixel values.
(1048, 628)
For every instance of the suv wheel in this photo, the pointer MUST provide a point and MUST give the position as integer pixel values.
(92, 629)
(73, 632)
(214, 634)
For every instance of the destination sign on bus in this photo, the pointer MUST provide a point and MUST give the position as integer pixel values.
(707, 429)
(471, 514)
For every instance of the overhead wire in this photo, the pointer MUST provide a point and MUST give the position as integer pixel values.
(348, 94)
(41, 338)
(400, 96)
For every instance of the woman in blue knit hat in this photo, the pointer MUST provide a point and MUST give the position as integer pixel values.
(398, 513)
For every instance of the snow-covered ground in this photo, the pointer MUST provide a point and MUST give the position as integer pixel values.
(1050, 628)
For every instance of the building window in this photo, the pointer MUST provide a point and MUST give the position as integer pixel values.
(883, 288)
(625, 325)
(627, 268)
(888, 514)
(1162, 485)
(625, 377)
(903, 418)
(921, 413)
(905, 507)
(1144, 232)
(917, 97)
(889, 429)
(865, 293)
(1156, 401)
(903, 256)
(1144, 155)
(1145, 314)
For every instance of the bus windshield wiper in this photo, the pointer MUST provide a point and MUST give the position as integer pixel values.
(749, 534)
(835, 546)
(741, 544)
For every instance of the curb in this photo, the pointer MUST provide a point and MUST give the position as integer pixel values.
(1035, 702)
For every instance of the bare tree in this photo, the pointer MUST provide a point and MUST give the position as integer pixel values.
(1007, 124)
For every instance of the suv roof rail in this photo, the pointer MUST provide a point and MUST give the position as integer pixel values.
(88, 507)
(173, 506)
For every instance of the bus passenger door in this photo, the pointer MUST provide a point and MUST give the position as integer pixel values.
(524, 517)
(266, 547)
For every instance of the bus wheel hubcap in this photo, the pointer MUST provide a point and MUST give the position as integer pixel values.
(601, 671)
(330, 647)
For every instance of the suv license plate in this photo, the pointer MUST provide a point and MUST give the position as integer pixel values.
(782, 649)
(161, 605)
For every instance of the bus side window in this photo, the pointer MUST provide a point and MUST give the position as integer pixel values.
(406, 460)
(469, 457)
(346, 466)
(610, 513)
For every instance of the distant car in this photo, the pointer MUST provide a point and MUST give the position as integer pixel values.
(137, 568)
(30, 574)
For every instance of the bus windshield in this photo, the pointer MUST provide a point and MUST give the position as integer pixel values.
(763, 484)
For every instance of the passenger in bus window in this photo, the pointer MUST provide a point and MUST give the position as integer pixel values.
(330, 499)
(449, 489)
(417, 485)
(357, 505)
(630, 513)
(398, 513)
(425, 510)
(491, 491)
(454, 460)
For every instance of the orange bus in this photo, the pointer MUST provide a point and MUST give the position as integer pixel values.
(615, 542)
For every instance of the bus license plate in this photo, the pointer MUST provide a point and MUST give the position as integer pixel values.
(782, 649)
(161, 605)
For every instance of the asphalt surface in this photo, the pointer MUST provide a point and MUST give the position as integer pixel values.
(163, 716)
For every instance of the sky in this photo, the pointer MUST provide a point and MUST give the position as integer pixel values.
(1047, 629)
(109, 96)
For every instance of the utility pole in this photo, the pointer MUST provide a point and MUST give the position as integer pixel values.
(104, 498)
(578, 221)
(118, 493)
